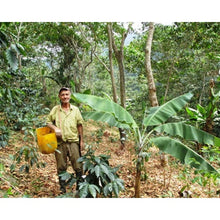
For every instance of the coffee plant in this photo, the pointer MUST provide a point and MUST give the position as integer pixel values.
(99, 179)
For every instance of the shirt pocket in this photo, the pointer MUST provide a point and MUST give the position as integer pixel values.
(72, 122)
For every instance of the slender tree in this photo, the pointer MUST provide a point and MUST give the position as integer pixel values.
(119, 54)
(151, 86)
(149, 73)
(111, 63)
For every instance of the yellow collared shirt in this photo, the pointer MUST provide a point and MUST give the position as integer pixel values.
(66, 121)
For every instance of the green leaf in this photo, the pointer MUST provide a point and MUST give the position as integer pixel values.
(22, 168)
(12, 58)
(192, 112)
(107, 106)
(87, 91)
(104, 117)
(182, 152)
(104, 169)
(80, 160)
(110, 187)
(201, 109)
(20, 49)
(111, 176)
(106, 190)
(120, 183)
(97, 170)
(97, 188)
(162, 113)
(87, 165)
(3, 39)
(188, 132)
(115, 188)
(65, 176)
(97, 160)
(92, 190)
(83, 190)
(12, 167)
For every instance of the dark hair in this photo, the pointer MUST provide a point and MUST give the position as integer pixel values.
(64, 89)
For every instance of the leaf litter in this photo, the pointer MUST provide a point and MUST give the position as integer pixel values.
(157, 181)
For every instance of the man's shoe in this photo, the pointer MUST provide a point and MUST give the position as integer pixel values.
(62, 190)
(62, 186)
(76, 194)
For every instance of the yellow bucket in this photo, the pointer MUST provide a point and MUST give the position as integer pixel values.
(46, 140)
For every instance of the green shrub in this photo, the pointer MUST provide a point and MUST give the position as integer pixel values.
(4, 135)
(100, 178)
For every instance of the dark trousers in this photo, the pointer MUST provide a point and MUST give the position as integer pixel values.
(68, 151)
(71, 151)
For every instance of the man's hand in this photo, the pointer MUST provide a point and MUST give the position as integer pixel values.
(81, 143)
(58, 132)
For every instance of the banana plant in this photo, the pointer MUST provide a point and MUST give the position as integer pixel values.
(206, 116)
(154, 131)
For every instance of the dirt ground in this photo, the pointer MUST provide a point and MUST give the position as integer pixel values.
(159, 181)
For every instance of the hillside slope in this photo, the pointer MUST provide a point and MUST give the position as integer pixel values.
(157, 181)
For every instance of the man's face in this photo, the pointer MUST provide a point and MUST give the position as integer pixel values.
(64, 97)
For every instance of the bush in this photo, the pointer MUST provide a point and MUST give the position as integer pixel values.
(4, 135)
(100, 178)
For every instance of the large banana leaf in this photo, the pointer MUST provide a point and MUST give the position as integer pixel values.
(160, 114)
(189, 132)
(107, 106)
(104, 117)
(182, 152)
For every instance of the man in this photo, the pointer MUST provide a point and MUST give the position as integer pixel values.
(66, 121)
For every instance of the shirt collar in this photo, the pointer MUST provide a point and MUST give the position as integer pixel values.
(71, 107)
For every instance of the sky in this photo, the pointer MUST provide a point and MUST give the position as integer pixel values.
(165, 11)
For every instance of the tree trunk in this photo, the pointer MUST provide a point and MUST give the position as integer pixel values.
(149, 73)
(111, 64)
(110, 70)
(119, 54)
(167, 87)
(138, 179)
(152, 98)
(120, 59)
(150, 78)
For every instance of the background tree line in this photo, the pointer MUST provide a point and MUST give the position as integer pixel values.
(38, 58)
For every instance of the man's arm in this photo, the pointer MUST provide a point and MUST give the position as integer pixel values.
(80, 132)
(56, 130)
(50, 122)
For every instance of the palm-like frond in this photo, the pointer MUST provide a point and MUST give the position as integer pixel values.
(189, 133)
(162, 113)
(107, 106)
(180, 151)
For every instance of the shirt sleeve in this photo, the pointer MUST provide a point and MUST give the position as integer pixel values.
(79, 117)
(52, 116)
